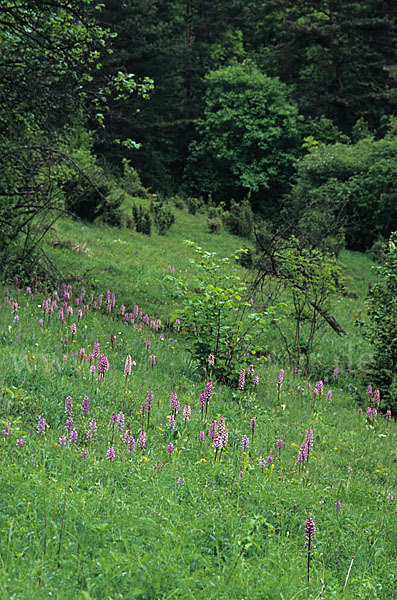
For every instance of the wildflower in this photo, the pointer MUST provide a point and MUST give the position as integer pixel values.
(174, 402)
(310, 532)
(390, 497)
(73, 329)
(152, 359)
(212, 430)
(240, 475)
(62, 441)
(245, 443)
(85, 406)
(171, 423)
(69, 424)
(129, 440)
(180, 481)
(329, 395)
(388, 414)
(6, 430)
(148, 343)
(69, 406)
(369, 411)
(110, 455)
(119, 421)
(279, 444)
(16, 319)
(338, 506)
(170, 449)
(320, 387)
(369, 391)
(149, 399)
(208, 391)
(280, 377)
(374, 413)
(225, 437)
(376, 398)
(73, 437)
(201, 437)
(83, 454)
(211, 360)
(256, 380)
(250, 370)
(92, 429)
(96, 350)
(142, 440)
(20, 443)
(103, 366)
(41, 424)
(269, 460)
(92, 370)
(217, 441)
(241, 379)
(187, 412)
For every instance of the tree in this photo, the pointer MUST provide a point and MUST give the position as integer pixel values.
(248, 139)
(50, 48)
(346, 191)
(305, 280)
(336, 53)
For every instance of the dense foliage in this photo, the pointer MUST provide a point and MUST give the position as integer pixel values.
(247, 140)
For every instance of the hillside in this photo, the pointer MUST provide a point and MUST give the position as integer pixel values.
(115, 483)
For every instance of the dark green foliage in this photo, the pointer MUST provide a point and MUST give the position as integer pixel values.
(50, 50)
(382, 327)
(239, 219)
(146, 224)
(131, 182)
(163, 215)
(247, 141)
(346, 191)
(336, 54)
(214, 225)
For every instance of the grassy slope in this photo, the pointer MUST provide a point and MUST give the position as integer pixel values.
(131, 528)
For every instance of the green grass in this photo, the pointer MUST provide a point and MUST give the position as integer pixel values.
(150, 525)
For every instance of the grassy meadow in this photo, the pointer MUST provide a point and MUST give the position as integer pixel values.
(112, 482)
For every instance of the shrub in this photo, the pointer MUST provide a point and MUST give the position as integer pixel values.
(218, 316)
(382, 326)
(239, 220)
(164, 216)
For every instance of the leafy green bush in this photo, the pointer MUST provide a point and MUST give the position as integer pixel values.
(164, 216)
(239, 220)
(346, 191)
(248, 138)
(382, 327)
(217, 314)
(131, 182)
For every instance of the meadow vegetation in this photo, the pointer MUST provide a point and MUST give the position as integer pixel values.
(131, 469)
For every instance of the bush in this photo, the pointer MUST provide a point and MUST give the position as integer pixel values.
(248, 139)
(164, 217)
(346, 191)
(131, 182)
(217, 315)
(239, 220)
(381, 329)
